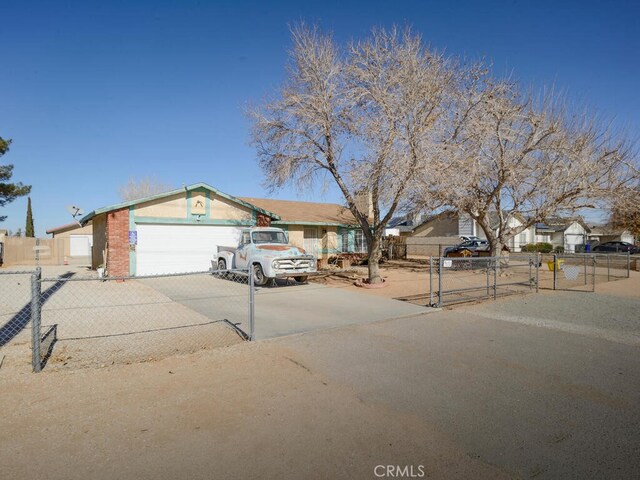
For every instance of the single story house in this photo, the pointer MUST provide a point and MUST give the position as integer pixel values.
(80, 238)
(454, 225)
(179, 231)
(567, 233)
(323, 229)
(602, 234)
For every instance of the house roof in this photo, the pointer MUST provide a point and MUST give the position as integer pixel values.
(604, 230)
(64, 228)
(305, 213)
(494, 219)
(187, 188)
(560, 224)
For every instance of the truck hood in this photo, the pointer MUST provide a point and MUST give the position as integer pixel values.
(280, 250)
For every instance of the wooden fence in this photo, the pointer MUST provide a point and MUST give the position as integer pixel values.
(423, 247)
(35, 251)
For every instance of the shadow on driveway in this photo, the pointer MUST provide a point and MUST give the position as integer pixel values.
(21, 319)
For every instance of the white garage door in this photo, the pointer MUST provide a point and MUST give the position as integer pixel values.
(80, 245)
(180, 248)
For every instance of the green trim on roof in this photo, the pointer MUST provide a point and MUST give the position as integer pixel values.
(191, 221)
(314, 224)
(188, 188)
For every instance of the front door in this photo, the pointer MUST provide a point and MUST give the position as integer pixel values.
(310, 243)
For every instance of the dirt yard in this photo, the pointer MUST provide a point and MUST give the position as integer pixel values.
(409, 280)
(541, 386)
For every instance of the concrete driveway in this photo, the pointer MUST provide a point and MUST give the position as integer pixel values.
(287, 308)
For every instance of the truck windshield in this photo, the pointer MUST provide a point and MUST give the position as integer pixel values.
(269, 237)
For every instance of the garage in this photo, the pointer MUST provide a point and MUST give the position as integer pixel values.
(80, 245)
(172, 232)
(180, 248)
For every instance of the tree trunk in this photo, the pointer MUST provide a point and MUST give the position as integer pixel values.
(375, 254)
(496, 248)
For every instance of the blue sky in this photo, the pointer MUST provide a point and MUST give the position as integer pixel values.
(93, 93)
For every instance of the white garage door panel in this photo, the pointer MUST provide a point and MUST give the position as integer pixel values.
(80, 245)
(180, 248)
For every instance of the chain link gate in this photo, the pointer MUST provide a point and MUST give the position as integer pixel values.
(464, 279)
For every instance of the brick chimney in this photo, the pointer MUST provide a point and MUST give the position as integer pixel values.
(364, 202)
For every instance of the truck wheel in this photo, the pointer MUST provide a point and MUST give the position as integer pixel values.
(301, 278)
(259, 278)
(222, 266)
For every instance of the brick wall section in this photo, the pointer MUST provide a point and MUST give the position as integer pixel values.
(262, 220)
(118, 243)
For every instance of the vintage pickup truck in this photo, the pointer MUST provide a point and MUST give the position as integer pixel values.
(267, 252)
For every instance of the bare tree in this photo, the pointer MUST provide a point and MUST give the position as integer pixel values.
(145, 187)
(509, 154)
(362, 117)
(625, 211)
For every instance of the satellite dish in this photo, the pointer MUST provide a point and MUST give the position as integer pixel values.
(74, 211)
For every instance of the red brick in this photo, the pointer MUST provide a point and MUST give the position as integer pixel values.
(118, 243)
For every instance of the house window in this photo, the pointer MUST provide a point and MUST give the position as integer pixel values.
(344, 244)
(360, 242)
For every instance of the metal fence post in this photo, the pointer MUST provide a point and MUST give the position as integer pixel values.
(555, 271)
(36, 290)
(530, 272)
(608, 268)
(495, 278)
(488, 270)
(440, 268)
(593, 272)
(538, 261)
(430, 281)
(628, 264)
(252, 313)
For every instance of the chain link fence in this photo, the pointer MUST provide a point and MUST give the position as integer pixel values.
(582, 271)
(77, 321)
(15, 317)
(465, 279)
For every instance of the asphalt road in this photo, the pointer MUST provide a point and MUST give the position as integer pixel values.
(559, 398)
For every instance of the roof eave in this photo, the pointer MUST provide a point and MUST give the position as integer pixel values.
(195, 186)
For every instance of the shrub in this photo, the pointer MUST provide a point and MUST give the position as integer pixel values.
(559, 249)
(542, 247)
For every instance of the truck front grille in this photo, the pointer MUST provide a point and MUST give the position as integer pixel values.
(293, 264)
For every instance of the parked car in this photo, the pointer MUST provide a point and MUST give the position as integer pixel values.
(622, 247)
(267, 251)
(470, 248)
(466, 238)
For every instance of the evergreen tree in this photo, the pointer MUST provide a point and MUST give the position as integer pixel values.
(9, 191)
(29, 230)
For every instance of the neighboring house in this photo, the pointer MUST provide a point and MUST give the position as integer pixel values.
(452, 224)
(179, 231)
(80, 238)
(403, 226)
(323, 229)
(567, 233)
(602, 234)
